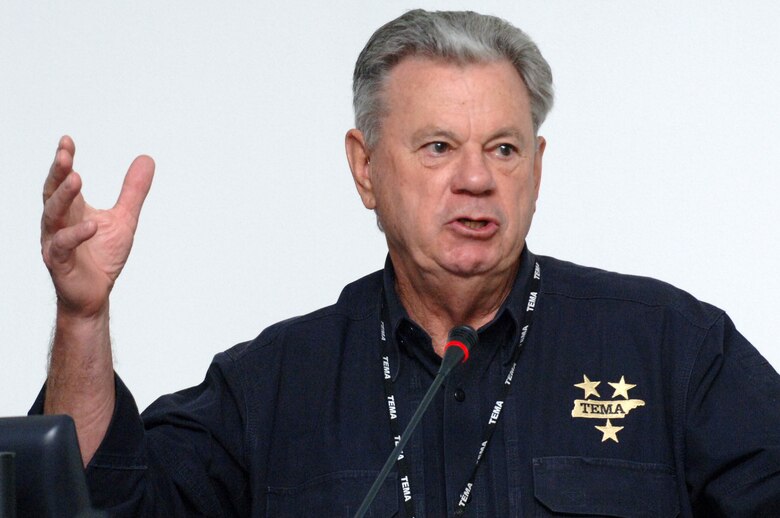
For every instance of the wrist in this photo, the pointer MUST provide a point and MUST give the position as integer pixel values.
(81, 337)
(82, 316)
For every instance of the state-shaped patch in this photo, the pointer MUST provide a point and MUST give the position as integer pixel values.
(605, 409)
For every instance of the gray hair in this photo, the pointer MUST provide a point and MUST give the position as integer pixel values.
(459, 36)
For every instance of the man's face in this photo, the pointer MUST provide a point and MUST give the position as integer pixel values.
(455, 174)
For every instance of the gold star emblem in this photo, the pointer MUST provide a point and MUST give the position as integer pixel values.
(621, 388)
(589, 387)
(609, 431)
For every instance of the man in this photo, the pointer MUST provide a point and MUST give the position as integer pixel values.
(588, 392)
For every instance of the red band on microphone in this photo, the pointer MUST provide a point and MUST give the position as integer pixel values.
(456, 343)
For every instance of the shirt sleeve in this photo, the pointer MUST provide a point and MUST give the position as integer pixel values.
(184, 456)
(733, 428)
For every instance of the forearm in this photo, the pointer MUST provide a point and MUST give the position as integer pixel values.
(81, 376)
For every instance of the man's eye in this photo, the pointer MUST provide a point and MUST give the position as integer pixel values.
(438, 148)
(506, 150)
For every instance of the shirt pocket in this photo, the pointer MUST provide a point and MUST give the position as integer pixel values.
(604, 487)
(334, 494)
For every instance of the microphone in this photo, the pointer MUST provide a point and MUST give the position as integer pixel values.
(459, 341)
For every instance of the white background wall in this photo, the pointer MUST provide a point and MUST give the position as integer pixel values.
(663, 159)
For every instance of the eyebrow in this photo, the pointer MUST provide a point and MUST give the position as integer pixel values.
(428, 132)
(510, 132)
(431, 132)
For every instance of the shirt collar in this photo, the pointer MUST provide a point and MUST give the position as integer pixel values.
(513, 308)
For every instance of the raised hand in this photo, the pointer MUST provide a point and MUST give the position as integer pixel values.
(85, 248)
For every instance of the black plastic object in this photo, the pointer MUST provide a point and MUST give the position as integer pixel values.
(47, 466)
(452, 356)
(7, 485)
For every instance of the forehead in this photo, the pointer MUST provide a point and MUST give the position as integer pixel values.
(426, 91)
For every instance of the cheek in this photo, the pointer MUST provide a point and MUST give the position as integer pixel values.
(520, 203)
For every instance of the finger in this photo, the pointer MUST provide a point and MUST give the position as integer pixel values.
(55, 209)
(60, 167)
(138, 181)
(66, 240)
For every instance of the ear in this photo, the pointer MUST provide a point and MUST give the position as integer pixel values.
(541, 144)
(359, 160)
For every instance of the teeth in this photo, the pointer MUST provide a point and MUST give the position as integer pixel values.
(473, 224)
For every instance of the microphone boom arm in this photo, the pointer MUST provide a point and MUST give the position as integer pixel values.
(460, 341)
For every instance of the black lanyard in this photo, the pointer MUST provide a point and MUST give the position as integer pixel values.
(402, 463)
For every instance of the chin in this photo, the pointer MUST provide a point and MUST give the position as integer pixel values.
(468, 267)
(467, 263)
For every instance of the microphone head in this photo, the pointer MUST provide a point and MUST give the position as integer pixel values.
(462, 338)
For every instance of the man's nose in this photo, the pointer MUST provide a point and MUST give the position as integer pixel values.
(473, 174)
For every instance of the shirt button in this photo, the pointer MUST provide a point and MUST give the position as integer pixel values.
(459, 395)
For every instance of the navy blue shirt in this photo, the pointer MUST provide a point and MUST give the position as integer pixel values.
(630, 398)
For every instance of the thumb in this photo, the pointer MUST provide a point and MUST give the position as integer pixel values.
(136, 185)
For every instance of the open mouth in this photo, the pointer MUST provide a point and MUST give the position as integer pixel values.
(473, 224)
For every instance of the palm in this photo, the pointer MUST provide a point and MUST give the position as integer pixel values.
(106, 253)
(96, 263)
